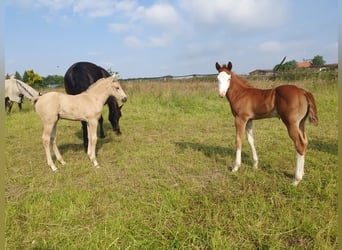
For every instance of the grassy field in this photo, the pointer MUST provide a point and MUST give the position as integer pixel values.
(165, 183)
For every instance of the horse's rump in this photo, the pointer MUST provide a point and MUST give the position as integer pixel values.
(295, 103)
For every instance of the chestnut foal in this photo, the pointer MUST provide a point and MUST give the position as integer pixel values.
(288, 102)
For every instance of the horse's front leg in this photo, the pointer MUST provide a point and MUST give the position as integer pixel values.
(250, 138)
(240, 128)
(92, 139)
(10, 105)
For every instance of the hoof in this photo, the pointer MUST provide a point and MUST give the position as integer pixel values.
(96, 164)
(255, 165)
(234, 169)
(295, 183)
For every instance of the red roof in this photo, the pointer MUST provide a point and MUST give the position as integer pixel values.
(304, 64)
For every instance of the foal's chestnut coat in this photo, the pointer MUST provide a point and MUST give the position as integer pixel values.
(288, 102)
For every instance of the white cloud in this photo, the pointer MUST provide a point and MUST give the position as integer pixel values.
(134, 42)
(89, 8)
(126, 5)
(153, 26)
(119, 27)
(271, 46)
(242, 14)
(162, 15)
(159, 41)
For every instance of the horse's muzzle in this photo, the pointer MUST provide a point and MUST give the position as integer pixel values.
(124, 99)
(222, 94)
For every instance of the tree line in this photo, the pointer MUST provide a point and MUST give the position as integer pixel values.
(292, 65)
(35, 80)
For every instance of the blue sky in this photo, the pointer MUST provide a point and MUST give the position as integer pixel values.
(155, 38)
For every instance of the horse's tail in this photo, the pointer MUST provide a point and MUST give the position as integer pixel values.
(35, 99)
(312, 109)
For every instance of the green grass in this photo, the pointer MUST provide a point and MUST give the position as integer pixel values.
(164, 183)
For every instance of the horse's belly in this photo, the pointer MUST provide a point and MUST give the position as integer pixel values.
(268, 114)
(77, 114)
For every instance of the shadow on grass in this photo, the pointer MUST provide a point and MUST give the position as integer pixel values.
(79, 147)
(207, 150)
(106, 127)
(212, 151)
(323, 146)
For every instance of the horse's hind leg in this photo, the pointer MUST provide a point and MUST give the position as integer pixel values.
(85, 135)
(298, 136)
(54, 145)
(250, 138)
(102, 135)
(46, 143)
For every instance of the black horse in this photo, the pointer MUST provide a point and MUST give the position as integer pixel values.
(77, 79)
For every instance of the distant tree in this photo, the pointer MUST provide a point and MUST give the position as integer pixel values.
(291, 65)
(32, 78)
(18, 76)
(318, 61)
(112, 72)
(53, 80)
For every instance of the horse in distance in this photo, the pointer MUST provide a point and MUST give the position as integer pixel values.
(86, 107)
(15, 91)
(77, 79)
(293, 105)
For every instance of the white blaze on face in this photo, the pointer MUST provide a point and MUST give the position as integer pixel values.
(223, 83)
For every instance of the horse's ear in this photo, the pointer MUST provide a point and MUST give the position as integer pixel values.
(120, 106)
(217, 65)
(230, 66)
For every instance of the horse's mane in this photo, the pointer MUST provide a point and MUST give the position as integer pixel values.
(115, 77)
(241, 80)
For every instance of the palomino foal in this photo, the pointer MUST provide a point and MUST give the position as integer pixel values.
(86, 106)
(288, 102)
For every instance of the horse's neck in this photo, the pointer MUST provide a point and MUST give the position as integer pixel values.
(238, 83)
(237, 87)
(101, 91)
(26, 90)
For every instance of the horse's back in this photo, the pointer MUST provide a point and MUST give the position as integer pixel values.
(81, 75)
(54, 105)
